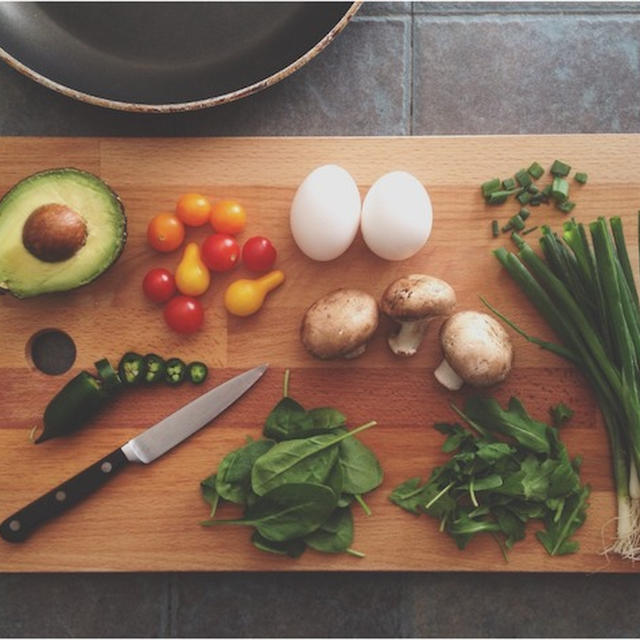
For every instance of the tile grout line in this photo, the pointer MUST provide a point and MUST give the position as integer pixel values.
(411, 67)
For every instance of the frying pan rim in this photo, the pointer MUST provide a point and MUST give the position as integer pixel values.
(193, 105)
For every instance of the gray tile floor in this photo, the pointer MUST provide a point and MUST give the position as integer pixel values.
(399, 69)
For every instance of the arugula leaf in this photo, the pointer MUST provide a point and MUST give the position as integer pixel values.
(556, 536)
(514, 422)
(489, 485)
(560, 413)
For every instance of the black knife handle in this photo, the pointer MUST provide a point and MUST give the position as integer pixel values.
(18, 526)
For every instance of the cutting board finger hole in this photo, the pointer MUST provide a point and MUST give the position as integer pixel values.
(51, 351)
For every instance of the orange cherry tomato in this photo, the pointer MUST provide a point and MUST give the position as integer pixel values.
(228, 216)
(193, 209)
(165, 232)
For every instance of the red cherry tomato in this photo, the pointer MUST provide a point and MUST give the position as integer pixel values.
(184, 314)
(258, 254)
(220, 252)
(159, 285)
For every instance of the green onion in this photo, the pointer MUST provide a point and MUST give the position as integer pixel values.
(533, 189)
(524, 197)
(523, 178)
(508, 184)
(490, 186)
(529, 230)
(498, 197)
(495, 228)
(566, 207)
(585, 289)
(535, 170)
(524, 213)
(560, 169)
(559, 189)
(580, 177)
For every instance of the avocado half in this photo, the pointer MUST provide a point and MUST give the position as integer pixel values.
(59, 229)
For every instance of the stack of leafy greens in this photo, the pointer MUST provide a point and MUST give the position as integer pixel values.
(510, 469)
(298, 482)
(586, 292)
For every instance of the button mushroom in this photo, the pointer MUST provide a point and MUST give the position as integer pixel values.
(412, 302)
(340, 324)
(476, 349)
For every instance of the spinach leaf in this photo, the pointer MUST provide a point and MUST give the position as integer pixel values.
(287, 512)
(286, 418)
(335, 535)
(292, 548)
(294, 461)
(209, 493)
(361, 470)
(233, 480)
(335, 480)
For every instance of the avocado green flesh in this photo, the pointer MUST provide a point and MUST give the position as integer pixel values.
(23, 274)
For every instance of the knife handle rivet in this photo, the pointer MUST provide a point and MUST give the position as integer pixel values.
(61, 496)
(14, 525)
(105, 467)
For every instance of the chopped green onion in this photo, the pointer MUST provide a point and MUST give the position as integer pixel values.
(537, 199)
(523, 178)
(535, 170)
(495, 228)
(498, 197)
(529, 230)
(566, 207)
(560, 169)
(490, 186)
(524, 213)
(524, 197)
(580, 177)
(508, 184)
(533, 189)
(559, 189)
(515, 222)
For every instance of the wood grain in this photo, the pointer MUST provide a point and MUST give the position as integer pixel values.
(147, 518)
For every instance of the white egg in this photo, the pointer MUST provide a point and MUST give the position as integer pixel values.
(396, 216)
(325, 213)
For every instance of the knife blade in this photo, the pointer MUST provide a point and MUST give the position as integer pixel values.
(145, 448)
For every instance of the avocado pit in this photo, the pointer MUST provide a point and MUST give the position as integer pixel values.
(54, 232)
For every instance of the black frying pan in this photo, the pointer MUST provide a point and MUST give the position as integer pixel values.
(165, 56)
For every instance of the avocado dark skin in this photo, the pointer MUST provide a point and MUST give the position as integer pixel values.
(57, 233)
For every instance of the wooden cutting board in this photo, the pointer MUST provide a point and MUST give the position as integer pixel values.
(147, 519)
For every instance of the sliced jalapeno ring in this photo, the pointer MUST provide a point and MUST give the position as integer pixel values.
(175, 371)
(108, 375)
(154, 368)
(197, 372)
(131, 368)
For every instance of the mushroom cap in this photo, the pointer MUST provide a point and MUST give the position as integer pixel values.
(339, 323)
(417, 296)
(477, 348)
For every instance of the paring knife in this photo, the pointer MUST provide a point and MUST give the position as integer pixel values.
(146, 447)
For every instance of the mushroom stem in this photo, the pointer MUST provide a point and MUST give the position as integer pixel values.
(406, 340)
(447, 377)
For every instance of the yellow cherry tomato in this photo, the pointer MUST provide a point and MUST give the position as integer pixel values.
(228, 216)
(193, 209)
(244, 297)
(192, 276)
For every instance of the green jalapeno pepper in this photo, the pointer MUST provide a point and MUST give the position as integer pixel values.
(131, 368)
(154, 368)
(197, 372)
(175, 371)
